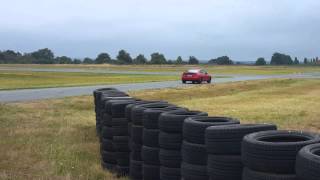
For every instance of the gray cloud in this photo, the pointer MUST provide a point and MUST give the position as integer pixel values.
(242, 29)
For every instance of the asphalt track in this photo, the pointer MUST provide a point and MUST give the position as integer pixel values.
(48, 93)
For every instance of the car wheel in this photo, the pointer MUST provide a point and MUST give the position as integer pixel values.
(183, 82)
(209, 81)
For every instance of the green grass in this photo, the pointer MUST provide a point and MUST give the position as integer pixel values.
(23, 80)
(243, 69)
(55, 139)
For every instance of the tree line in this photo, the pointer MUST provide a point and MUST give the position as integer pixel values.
(46, 56)
(283, 59)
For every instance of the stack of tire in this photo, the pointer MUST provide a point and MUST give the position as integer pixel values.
(223, 145)
(120, 135)
(136, 131)
(308, 163)
(97, 95)
(113, 125)
(272, 155)
(114, 95)
(194, 155)
(150, 148)
(170, 141)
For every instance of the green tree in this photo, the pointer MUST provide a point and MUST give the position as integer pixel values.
(76, 61)
(305, 61)
(193, 60)
(124, 57)
(223, 60)
(261, 61)
(43, 56)
(140, 59)
(296, 61)
(63, 60)
(87, 61)
(179, 60)
(281, 59)
(157, 58)
(103, 58)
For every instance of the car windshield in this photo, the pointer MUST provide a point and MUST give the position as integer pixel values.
(193, 71)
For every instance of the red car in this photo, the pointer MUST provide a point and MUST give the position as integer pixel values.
(196, 76)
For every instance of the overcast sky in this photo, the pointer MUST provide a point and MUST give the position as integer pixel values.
(241, 29)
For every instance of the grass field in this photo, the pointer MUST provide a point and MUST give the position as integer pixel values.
(243, 69)
(24, 80)
(55, 139)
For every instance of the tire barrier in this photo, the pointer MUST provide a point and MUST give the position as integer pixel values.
(273, 153)
(135, 113)
(155, 140)
(308, 163)
(223, 145)
(150, 138)
(194, 154)
(170, 140)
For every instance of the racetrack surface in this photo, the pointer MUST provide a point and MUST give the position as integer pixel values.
(47, 93)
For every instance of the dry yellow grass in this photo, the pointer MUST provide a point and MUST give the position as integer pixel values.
(55, 139)
(51, 139)
(289, 103)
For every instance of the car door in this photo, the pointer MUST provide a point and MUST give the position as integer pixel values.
(205, 75)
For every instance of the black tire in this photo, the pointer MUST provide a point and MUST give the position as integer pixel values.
(120, 131)
(129, 128)
(193, 172)
(249, 174)
(108, 166)
(194, 127)
(170, 158)
(167, 173)
(194, 153)
(227, 139)
(129, 107)
(123, 158)
(119, 122)
(136, 134)
(308, 163)
(225, 167)
(135, 155)
(135, 169)
(275, 151)
(172, 121)
(183, 82)
(150, 137)
(105, 99)
(121, 143)
(108, 157)
(106, 120)
(170, 140)
(115, 105)
(107, 145)
(209, 81)
(122, 170)
(150, 172)
(137, 111)
(151, 116)
(106, 132)
(150, 155)
(118, 108)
